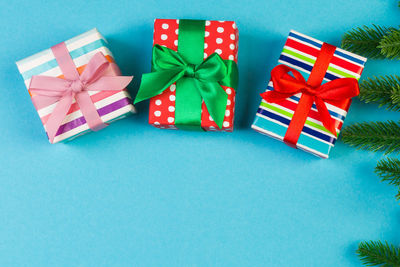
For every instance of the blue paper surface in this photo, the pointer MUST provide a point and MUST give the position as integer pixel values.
(134, 195)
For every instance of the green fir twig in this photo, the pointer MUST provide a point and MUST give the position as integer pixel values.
(390, 44)
(373, 136)
(377, 253)
(383, 90)
(389, 170)
(365, 40)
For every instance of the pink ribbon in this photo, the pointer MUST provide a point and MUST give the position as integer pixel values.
(93, 78)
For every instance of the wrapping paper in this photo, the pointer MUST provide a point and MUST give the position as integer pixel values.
(220, 37)
(110, 105)
(300, 52)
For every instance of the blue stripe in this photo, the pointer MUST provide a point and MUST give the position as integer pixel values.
(304, 140)
(74, 54)
(306, 129)
(338, 53)
(301, 38)
(305, 66)
(297, 99)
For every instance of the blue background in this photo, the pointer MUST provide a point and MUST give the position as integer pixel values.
(134, 195)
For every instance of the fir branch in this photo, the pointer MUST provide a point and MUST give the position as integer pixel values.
(390, 44)
(389, 170)
(376, 253)
(373, 136)
(384, 90)
(365, 40)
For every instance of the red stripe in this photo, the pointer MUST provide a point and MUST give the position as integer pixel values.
(314, 52)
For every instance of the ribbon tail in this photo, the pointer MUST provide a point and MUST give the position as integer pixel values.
(57, 116)
(231, 78)
(326, 118)
(215, 99)
(155, 83)
(89, 111)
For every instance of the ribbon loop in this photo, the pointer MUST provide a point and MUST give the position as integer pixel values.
(75, 86)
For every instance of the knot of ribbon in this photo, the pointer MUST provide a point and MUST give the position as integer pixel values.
(75, 86)
(168, 67)
(286, 85)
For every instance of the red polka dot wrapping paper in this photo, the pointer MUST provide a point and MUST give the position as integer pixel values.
(220, 37)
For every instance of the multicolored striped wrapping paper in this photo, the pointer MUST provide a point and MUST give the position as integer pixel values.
(111, 105)
(300, 52)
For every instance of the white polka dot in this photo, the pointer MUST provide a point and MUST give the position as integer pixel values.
(234, 25)
(233, 37)
(227, 113)
(210, 118)
(208, 23)
(157, 113)
(219, 40)
(229, 91)
(225, 124)
(172, 87)
(232, 46)
(205, 55)
(170, 119)
(165, 26)
(172, 97)
(177, 21)
(219, 51)
(231, 57)
(158, 102)
(177, 31)
(176, 42)
(228, 102)
(171, 108)
(220, 29)
(156, 123)
(205, 45)
(207, 34)
(164, 37)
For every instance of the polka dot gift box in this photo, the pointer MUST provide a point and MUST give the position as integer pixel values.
(194, 75)
(309, 94)
(75, 86)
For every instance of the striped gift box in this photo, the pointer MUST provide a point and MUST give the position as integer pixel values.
(300, 52)
(111, 105)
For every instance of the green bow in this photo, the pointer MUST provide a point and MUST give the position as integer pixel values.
(168, 67)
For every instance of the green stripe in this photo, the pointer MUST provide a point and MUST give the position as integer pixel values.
(290, 115)
(312, 61)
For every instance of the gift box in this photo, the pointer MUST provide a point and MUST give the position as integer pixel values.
(101, 99)
(180, 105)
(316, 103)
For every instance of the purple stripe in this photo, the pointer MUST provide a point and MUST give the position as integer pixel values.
(102, 111)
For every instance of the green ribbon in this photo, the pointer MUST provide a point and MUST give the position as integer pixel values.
(196, 80)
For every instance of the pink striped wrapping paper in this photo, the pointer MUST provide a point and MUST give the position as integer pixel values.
(110, 105)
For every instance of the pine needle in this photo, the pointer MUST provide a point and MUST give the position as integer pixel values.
(365, 40)
(390, 44)
(389, 170)
(376, 253)
(383, 90)
(373, 136)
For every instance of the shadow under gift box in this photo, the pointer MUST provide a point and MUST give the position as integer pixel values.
(220, 37)
(110, 105)
(300, 52)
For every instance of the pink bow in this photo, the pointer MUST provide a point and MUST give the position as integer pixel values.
(75, 86)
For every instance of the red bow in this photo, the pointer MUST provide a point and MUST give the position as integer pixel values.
(286, 85)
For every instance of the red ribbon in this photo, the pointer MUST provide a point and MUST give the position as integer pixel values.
(286, 85)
